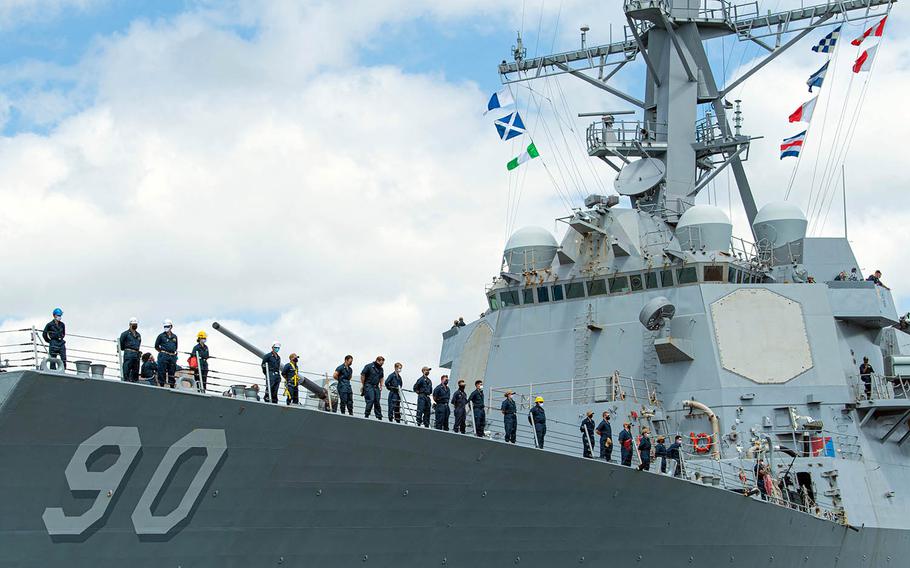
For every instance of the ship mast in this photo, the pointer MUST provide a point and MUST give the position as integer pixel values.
(663, 162)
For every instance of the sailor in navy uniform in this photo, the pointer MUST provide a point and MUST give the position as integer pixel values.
(166, 346)
(605, 431)
(393, 384)
(460, 404)
(441, 396)
(271, 368)
(587, 435)
(54, 334)
(509, 416)
(343, 374)
(371, 381)
(538, 419)
(130, 343)
(423, 388)
(477, 405)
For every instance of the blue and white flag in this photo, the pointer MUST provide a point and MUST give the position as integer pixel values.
(510, 126)
(500, 99)
(818, 77)
(828, 42)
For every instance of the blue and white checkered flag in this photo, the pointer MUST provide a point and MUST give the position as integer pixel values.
(828, 42)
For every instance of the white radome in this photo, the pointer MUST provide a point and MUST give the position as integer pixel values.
(779, 223)
(530, 248)
(704, 226)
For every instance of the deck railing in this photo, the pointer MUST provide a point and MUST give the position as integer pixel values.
(879, 387)
(584, 390)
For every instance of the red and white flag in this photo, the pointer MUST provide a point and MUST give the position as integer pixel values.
(804, 112)
(875, 31)
(864, 61)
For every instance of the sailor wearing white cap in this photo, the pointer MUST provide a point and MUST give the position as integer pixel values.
(166, 346)
(130, 343)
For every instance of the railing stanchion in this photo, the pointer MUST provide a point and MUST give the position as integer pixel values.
(35, 346)
(120, 361)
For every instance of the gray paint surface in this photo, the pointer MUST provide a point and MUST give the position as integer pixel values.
(300, 487)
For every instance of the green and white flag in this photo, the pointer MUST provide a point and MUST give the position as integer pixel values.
(525, 156)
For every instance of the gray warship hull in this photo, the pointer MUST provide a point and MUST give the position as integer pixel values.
(299, 487)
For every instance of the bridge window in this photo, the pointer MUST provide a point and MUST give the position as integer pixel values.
(509, 298)
(557, 293)
(731, 274)
(686, 275)
(597, 288)
(637, 282)
(619, 284)
(666, 278)
(527, 296)
(714, 273)
(651, 280)
(494, 303)
(575, 290)
(543, 294)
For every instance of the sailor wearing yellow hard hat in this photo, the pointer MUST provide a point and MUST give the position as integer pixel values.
(538, 418)
(201, 354)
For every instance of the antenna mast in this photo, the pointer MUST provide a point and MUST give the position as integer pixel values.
(662, 146)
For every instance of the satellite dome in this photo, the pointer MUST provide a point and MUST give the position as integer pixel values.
(530, 248)
(704, 227)
(779, 223)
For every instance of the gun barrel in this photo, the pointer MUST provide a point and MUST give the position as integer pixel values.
(239, 340)
(306, 383)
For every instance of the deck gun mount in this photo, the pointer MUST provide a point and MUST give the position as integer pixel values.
(305, 382)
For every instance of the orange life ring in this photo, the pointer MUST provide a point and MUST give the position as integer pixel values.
(701, 442)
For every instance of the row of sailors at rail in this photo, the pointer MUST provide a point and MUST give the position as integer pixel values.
(429, 399)
(437, 399)
(441, 401)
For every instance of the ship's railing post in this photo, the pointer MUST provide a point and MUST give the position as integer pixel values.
(35, 346)
(328, 398)
(120, 362)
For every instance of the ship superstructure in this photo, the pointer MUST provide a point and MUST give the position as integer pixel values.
(752, 345)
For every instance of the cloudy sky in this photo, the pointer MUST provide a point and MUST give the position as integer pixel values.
(321, 171)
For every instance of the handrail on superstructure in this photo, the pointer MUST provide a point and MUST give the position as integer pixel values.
(568, 391)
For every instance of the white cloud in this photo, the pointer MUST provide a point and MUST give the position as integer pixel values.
(277, 184)
(357, 206)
